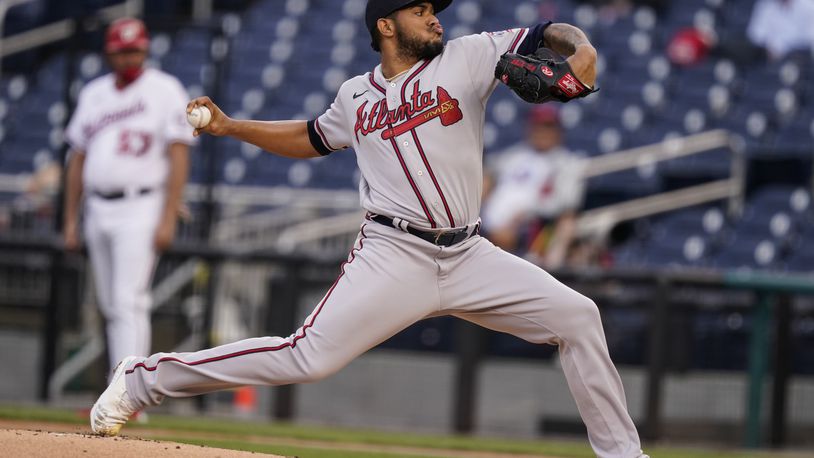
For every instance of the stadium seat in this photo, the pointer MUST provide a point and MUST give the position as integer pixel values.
(750, 248)
(801, 261)
(673, 251)
(633, 254)
(720, 339)
(434, 334)
(619, 186)
(771, 198)
(793, 139)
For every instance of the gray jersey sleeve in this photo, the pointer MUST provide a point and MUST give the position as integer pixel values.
(330, 131)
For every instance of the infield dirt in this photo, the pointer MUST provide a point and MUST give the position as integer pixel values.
(49, 444)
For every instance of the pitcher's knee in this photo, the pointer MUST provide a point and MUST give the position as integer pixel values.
(126, 304)
(582, 318)
(317, 372)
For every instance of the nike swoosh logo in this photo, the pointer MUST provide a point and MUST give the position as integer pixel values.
(356, 96)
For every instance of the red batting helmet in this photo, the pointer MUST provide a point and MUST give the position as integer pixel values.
(126, 34)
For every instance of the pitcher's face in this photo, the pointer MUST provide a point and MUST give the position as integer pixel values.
(418, 32)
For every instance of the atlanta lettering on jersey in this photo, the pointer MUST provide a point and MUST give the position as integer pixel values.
(109, 118)
(419, 109)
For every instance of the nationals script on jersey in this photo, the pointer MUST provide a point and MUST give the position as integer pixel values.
(419, 138)
(125, 132)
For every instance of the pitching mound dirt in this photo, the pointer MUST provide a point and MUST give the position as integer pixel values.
(45, 444)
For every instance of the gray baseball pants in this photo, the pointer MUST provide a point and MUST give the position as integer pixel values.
(391, 280)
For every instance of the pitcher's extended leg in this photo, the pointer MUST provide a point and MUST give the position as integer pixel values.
(366, 305)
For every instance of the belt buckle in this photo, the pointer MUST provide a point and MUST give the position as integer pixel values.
(462, 233)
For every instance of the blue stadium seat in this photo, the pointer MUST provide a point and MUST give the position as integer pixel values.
(775, 197)
(756, 225)
(671, 250)
(23, 148)
(744, 252)
(759, 83)
(801, 261)
(626, 331)
(192, 42)
(720, 339)
(696, 169)
(689, 221)
(633, 254)
(434, 334)
(794, 139)
(615, 35)
(335, 171)
(619, 186)
(495, 16)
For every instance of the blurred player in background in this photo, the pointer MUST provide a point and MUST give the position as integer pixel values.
(782, 26)
(129, 159)
(533, 183)
(777, 29)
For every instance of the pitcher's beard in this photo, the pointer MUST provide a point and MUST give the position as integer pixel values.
(412, 47)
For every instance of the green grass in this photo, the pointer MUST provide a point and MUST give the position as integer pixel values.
(245, 435)
(26, 413)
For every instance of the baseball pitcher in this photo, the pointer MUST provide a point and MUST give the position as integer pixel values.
(129, 144)
(416, 124)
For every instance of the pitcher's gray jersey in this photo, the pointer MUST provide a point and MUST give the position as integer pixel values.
(419, 138)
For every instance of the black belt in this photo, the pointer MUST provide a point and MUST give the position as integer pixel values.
(440, 238)
(113, 195)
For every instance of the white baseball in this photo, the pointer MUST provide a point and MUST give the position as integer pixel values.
(199, 117)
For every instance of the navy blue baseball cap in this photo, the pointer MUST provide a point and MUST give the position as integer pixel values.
(377, 9)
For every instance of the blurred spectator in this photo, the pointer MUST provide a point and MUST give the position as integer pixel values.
(33, 210)
(782, 26)
(689, 46)
(776, 28)
(43, 186)
(532, 192)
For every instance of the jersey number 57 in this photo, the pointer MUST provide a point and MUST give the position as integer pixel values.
(134, 143)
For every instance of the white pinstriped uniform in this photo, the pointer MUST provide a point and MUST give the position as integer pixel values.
(419, 143)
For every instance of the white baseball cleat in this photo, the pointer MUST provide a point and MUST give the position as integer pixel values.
(113, 408)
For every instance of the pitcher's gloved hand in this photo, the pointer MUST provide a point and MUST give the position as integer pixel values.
(540, 77)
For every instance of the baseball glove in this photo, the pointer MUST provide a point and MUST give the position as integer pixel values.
(540, 77)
